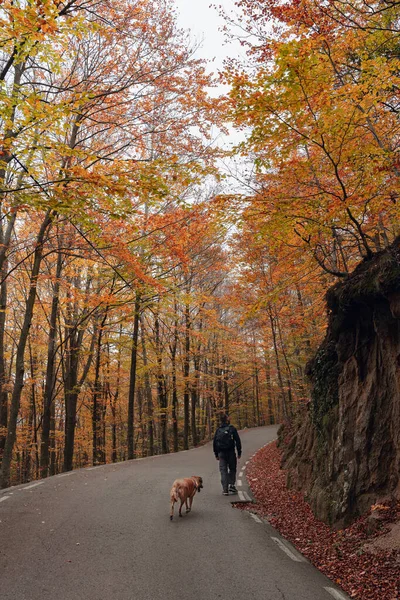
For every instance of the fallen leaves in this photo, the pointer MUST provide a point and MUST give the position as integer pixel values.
(338, 554)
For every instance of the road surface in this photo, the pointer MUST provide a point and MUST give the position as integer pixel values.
(104, 533)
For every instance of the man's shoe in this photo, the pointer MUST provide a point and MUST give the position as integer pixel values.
(225, 493)
(232, 488)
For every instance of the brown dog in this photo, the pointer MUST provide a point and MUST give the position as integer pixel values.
(184, 490)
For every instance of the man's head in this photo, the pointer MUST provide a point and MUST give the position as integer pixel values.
(224, 419)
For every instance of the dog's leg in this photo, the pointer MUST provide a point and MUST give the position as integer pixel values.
(180, 508)
(171, 516)
(187, 507)
(190, 503)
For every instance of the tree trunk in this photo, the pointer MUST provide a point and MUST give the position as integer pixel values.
(53, 457)
(289, 371)
(186, 371)
(3, 378)
(114, 402)
(173, 349)
(257, 382)
(20, 362)
(34, 369)
(148, 394)
(72, 386)
(161, 392)
(50, 374)
(174, 406)
(226, 396)
(98, 445)
(96, 421)
(278, 366)
(195, 388)
(195, 397)
(71, 399)
(132, 379)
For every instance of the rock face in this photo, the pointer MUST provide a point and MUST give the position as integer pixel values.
(345, 451)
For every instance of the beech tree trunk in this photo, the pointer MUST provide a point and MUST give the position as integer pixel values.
(114, 402)
(148, 394)
(186, 372)
(20, 357)
(174, 346)
(132, 379)
(50, 374)
(257, 390)
(71, 399)
(98, 450)
(161, 391)
(72, 385)
(278, 367)
(195, 398)
(3, 376)
(34, 426)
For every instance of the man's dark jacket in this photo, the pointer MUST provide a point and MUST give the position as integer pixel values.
(236, 439)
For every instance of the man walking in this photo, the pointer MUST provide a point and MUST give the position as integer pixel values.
(226, 439)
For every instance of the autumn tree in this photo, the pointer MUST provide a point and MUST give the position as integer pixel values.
(324, 125)
(76, 132)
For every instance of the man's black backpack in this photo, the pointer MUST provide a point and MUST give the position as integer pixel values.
(224, 439)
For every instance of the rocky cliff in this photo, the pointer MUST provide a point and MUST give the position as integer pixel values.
(345, 451)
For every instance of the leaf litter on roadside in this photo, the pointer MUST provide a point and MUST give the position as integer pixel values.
(339, 554)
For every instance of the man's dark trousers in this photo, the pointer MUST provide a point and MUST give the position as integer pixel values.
(227, 466)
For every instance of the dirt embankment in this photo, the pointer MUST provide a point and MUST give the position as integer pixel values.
(345, 451)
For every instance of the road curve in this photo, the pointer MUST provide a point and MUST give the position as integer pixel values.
(105, 533)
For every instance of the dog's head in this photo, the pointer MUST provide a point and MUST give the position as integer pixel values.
(198, 482)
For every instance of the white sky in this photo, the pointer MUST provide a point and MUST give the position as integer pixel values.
(204, 22)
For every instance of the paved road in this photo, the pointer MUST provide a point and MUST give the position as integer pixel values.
(105, 533)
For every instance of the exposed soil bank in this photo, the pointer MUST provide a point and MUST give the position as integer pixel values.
(344, 452)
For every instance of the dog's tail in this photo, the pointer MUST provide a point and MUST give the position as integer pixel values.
(174, 498)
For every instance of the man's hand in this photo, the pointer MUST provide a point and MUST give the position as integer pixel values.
(239, 457)
(217, 457)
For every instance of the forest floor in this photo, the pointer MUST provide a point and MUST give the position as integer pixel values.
(363, 559)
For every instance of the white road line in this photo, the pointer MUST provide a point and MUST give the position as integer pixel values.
(29, 487)
(87, 469)
(296, 557)
(65, 474)
(239, 482)
(335, 593)
(247, 462)
(244, 468)
(4, 498)
(243, 497)
(241, 474)
(257, 519)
